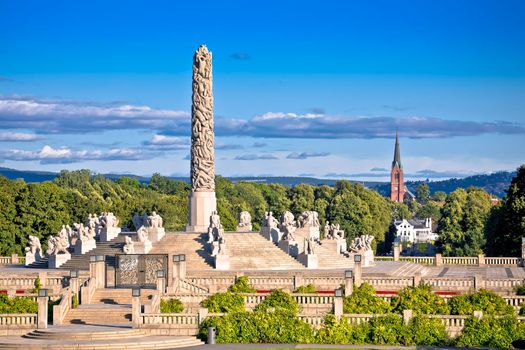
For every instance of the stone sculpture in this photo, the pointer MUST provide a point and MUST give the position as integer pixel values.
(142, 234)
(288, 226)
(309, 246)
(108, 220)
(129, 246)
(202, 152)
(108, 229)
(86, 239)
(202, 197)
(137, 220)
(308, 219)
(34, 250)
(154, 220)
(270, 221)
(333, 231)
(143, 244)
(245, 222)
(57, 249)
(363, 245)
(215, 230)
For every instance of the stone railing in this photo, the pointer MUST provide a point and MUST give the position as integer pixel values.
(17, 324)
(60, 310)
(25, 283)
(188, 286)
(422, 260)
(87, 290)
(14, 259)
(439, 260)
(170, 324)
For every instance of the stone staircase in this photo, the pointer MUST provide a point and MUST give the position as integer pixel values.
(329, 259)
(108, 306)
(95, 337)
(193, 245)
(251, 251)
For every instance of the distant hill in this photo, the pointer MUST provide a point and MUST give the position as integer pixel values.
(495, 183)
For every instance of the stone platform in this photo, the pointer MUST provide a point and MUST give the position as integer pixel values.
(96, 337)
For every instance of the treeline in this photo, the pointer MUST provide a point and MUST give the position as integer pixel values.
(467, 222)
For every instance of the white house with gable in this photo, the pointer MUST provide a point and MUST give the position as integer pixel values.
(415, 231)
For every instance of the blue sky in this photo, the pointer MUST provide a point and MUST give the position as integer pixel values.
(301, 88)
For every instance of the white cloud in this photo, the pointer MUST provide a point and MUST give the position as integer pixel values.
(163, 142)
(48, 155)
(19, 137)
(306, 155)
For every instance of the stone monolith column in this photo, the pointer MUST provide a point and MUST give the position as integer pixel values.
(202, 197)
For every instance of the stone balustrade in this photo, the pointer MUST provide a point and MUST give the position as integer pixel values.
(60, 310)
(14, 259)
(17, 324)
(457, 261)
(423, 260)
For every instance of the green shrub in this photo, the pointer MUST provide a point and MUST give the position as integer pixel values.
(520, 289)
(241, 285)
(309, 288)
(421, 300)
(37, 284)
(74, 301)
(489, 332)
(224, 302)
(17, 305)
(278, 327)
(171, 306)
(389, 330)
(342, 332)
(488, 302)
(364, 301)
(428, 331)
(278, 299)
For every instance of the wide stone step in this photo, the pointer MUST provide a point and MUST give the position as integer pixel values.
(93, 333)
(99, 314)
(66, 338)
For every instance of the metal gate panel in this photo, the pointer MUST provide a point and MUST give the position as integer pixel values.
(139, 270)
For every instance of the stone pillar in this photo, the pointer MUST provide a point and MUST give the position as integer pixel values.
(358, 273)
(161, 285)
(14, 259)
(417, 279)
(349, 283)
(397, 251)
(202, 197)
(101, 271)
(42, 311)
(178, 271)
(407, 316)
(438, 260)
(75, 285)
(481, 260)
(478, 282)
(297, 282)
(135, 310)
(203, 313)
(338, 304)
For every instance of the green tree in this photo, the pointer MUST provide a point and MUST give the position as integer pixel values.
(439, 196)
(430, 210)
(507, 222)
(421, 300)
(365, 301)
(423, 193)
(302, 198)
(462, 224)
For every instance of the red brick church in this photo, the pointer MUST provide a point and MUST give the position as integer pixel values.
(397, 181)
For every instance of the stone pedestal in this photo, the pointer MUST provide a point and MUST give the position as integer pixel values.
(272, 234)
(289, 247)
(155, 234)
(82, 247)
(57, 260)
(244, 228)
(367, 258)
(42, 312)
(202, 204)
(336, 246)
(109, 233)
(222, 262)
(142, 247)
(308, 232)
(311, 261)
(31, 258)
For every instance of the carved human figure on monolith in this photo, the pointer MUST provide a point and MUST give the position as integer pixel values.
(202, 197)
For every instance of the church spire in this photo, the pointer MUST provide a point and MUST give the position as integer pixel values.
(397, 154)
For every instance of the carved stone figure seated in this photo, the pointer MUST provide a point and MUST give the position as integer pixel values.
(245, 222)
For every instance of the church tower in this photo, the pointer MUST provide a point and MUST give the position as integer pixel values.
(397, 183)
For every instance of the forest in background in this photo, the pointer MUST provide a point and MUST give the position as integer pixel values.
(467, 222)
